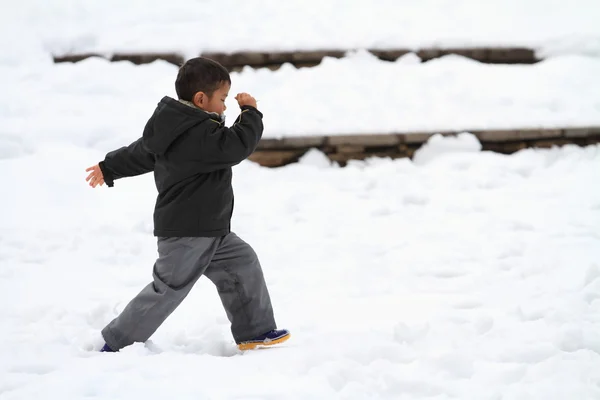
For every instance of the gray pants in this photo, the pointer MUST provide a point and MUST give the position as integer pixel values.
(229, 262)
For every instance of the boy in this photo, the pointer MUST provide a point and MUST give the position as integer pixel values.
(191, 152)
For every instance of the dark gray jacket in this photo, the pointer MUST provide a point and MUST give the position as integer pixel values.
(191, 153)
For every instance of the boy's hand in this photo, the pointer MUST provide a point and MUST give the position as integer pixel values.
(95, 177)
(244, 99)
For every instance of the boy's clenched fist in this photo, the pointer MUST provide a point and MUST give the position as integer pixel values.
(244, 99)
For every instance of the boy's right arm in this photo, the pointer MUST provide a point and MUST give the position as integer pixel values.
(127, 161)
(226, 147)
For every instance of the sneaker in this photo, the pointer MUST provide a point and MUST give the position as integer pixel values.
(270, 338)
(106, 349)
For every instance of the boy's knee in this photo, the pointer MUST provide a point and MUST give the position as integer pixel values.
(247, 256)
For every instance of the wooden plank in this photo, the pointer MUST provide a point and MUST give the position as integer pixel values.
(364, 140)
(315, 56)
(497, 135)
(548, 143)
(389, 55)
(429, 54)
(238, 59)
(303, 142)
(279, 57)
(262, 59)
(277, 152)
(275, 158)
(75, 57)
(581, 132)
(344, 157)
(147, 58)
(266, 144)
(476, 53)
(511, 55)
(415, 138)
(517, 134)
(539, 133)
(504, 147)
(349, 148)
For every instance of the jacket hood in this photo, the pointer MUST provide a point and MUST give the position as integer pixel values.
(170, 120)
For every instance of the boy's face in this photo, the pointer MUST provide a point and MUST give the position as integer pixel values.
(214, 103)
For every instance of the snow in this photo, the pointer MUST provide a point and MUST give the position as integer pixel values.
(472, 275)
(461, 274)
(190, 26)
(358, 94)
(438, 145)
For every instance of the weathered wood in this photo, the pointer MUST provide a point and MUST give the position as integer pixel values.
(479, 54)
(266, 144)
(548, 143)
(303, 142)
(147, 58)
(273, 59)
(315, 56)
(581, 132)
(389, 55)
(429, 54)
(412, 138)
(503, 147)
(238, 59)
(279, 58)
(276, 158)
(345, 157)
(497, 135)
(511, 55)
(593, 140)
(349, 148)
(517, 134)
(278, 152)
(364, 140)
(526, 134)
(75, 57)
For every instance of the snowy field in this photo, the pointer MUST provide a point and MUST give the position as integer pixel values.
(192, 26)
(101, 104)
(461, 275)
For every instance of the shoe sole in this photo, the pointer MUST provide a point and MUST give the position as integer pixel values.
(254, 345)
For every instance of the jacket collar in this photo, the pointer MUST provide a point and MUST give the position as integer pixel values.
(220, 117)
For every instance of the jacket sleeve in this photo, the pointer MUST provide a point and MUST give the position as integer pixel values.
(127, 161)
(226, 147)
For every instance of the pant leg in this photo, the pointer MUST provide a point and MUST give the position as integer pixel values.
(180, 264)
(237, 274)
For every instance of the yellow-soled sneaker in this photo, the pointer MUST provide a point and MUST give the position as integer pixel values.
(270, 338)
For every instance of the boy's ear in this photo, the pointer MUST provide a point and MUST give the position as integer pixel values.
(200, 99)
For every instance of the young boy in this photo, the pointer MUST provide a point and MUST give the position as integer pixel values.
(191, 152)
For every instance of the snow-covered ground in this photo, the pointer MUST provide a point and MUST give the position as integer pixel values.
(193, 26)
(463, 275)
(102, 104)
(458, 275)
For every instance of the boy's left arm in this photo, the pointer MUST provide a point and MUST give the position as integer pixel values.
(127, 161)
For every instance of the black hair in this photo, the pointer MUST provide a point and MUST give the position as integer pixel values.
(200, 75)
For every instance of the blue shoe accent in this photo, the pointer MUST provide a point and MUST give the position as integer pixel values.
(271, 335)
(266, 339)
(106, 349)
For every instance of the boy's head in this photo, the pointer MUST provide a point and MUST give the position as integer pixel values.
(205, 83)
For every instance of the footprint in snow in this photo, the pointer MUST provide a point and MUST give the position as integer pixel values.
(467, 304)
(447, 273)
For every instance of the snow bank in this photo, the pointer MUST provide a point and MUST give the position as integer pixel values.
(189, 26)
(438, 145)
(101, 104)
